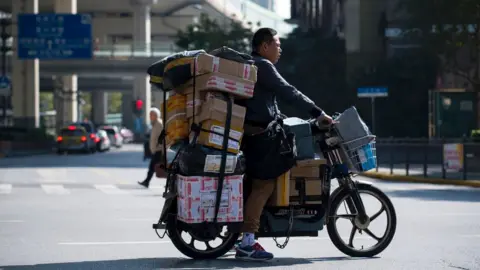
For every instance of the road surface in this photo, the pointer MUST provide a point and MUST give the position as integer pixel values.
(87, 212)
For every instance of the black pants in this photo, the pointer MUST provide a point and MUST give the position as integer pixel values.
(156, 158)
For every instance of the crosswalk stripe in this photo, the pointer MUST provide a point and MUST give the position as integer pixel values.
(110, 189)
(5, 188)
(55, 189)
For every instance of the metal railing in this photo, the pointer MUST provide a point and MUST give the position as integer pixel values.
(426, 158)
(128, 50)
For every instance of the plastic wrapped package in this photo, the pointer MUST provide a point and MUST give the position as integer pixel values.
(157, 69)
(200, 160)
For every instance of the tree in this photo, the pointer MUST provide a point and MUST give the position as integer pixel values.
(451, 29)
(208, 34)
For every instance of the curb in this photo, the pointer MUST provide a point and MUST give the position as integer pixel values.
(418, 179)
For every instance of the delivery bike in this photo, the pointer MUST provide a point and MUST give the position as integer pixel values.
(302, 219)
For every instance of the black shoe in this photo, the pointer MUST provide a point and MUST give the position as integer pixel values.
(144, 183)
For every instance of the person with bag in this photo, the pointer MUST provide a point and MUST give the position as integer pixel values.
(155, 145)
(269, 152)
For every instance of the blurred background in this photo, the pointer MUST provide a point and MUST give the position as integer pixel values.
(412, 71)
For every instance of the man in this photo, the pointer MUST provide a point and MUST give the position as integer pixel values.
(155, 148)
(261, 110)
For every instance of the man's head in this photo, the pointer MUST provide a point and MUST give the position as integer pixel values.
(267, 43)
(154, 114)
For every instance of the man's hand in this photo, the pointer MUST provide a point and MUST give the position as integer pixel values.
(325, 120)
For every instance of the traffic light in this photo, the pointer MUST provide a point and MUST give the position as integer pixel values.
(138, 106)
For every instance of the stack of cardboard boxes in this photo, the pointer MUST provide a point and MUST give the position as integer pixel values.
(305, 179)
(203, 100)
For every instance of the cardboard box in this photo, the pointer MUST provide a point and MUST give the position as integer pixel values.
(220, 82)
(309, 168)
(197, 196)
(200, 98)
(311, 186)
(212, 163)
(280, 196)
(206, 63)
(216, 109)
(215, 140)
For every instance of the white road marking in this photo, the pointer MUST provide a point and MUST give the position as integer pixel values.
(110, 189)
(55, 189)
(56, 175)
(137, 219)
(102, 173)
(11, 221)
(112, 243)
(5, 188)
(471, 235)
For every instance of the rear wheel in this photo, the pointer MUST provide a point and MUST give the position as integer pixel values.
(361, 226)
(198, 246)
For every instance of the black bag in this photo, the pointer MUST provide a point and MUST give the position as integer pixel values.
(157, 69)
(270, 153)
(192, 158)
(230, 54)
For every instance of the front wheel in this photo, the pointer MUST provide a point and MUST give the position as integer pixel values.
(362, 226)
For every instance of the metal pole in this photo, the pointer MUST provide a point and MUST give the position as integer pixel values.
(4, 67)
(373, 114)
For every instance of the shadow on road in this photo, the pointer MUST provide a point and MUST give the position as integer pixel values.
(110, 159)
(177, 263)
(453, 195)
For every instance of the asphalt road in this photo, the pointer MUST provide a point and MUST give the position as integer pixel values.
(86, 212)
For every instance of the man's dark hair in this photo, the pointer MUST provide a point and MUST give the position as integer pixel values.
(262, 35)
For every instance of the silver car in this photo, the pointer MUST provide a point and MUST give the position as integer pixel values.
(114, 135)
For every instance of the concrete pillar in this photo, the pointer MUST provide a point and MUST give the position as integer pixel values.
(142, 90)
(141, 41)
(157, 98)
(127, 110)
(142, 35)
(68, 109)
(25, 76)
(99, 107)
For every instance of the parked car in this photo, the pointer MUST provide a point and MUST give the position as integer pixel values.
(127, 135)
(103, 142)
(114, 135)
(75, 138)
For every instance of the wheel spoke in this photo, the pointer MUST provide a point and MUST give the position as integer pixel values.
(346, 216)
(192, 240)
(378, 213)
(352, 235)
(208, 245)
(367, 231)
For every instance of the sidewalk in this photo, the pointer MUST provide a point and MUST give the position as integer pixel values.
(434, 175)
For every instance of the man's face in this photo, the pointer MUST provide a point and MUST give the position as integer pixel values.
(272, 50)
(153, 117)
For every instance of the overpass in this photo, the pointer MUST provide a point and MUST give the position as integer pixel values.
(107, 62)
(91, 84)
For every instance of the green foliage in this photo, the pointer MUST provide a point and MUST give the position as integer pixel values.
(450, 29)
(115, 102)
(209, 34)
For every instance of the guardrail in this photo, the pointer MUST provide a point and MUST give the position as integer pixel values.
(123, 51)
(437, 158)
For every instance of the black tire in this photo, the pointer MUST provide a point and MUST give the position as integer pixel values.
(389, 234)
(186, 250)
(60, 152)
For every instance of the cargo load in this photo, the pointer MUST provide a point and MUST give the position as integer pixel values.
(156, 70)
(204, 129)
(197, 196)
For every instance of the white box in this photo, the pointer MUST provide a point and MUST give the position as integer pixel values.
(197, 197)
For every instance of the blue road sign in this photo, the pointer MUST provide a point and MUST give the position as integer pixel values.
(5, 86)
(50, 36)
(372, 92)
